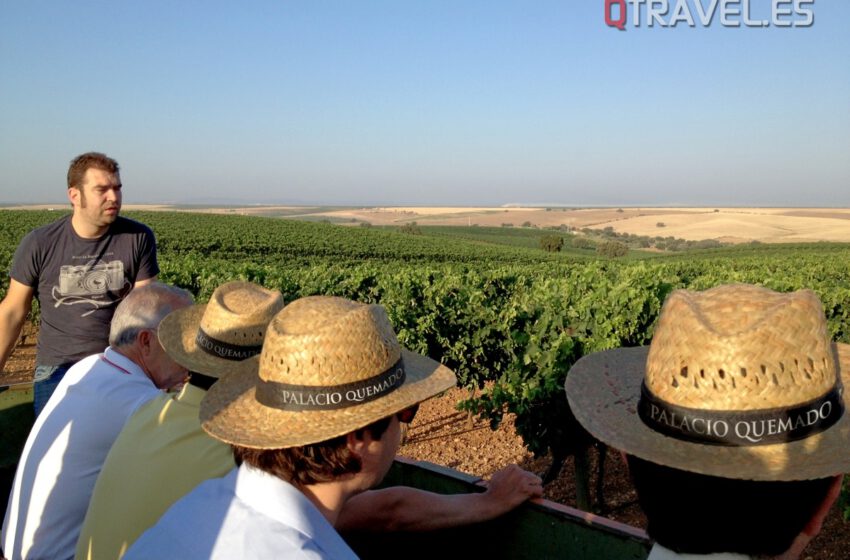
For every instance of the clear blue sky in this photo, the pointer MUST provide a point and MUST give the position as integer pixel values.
(455, 102)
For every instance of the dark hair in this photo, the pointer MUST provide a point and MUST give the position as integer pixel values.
(700, 514)
(84, 162)
(310, 464)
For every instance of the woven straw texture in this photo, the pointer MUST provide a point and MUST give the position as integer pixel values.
(603, 389)
(238, 313)
(740, 347)
(321, 342)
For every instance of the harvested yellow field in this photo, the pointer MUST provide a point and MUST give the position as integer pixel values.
(768, 225)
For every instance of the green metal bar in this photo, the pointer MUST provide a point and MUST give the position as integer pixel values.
(534, 531)
(16, 419)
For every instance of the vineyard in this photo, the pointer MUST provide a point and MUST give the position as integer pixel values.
(504, 314)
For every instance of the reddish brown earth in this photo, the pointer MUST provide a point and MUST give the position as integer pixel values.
(441, 434)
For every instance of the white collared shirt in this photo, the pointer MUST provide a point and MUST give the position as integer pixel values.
(658, 552)
(161, 455)
(65, 451)
(245, 514)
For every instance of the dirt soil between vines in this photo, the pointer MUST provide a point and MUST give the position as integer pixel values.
(443, 435)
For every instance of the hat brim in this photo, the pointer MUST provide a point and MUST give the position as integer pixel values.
(231, 413)
(177, 334)
(603, 390)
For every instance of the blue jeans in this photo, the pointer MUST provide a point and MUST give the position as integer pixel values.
(45, 380)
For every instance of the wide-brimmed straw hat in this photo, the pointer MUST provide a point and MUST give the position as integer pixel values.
(329, 366)
(213, 338)
(739, 382)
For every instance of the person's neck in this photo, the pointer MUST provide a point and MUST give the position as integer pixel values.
(328, 497)
(85, 229)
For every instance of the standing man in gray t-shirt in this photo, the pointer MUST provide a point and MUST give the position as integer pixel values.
(79, 267)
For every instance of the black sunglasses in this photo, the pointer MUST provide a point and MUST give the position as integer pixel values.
(406, 416)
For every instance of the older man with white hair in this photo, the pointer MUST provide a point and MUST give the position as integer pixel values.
(70, 439)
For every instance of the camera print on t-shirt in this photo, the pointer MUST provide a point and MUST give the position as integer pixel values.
(87, 284)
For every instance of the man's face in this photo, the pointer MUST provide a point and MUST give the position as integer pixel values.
(98, 200)
(381, 453)
(392, 441)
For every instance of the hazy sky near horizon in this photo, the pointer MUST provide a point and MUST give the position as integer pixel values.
(431, 102)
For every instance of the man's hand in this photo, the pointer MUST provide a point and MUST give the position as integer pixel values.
(511, 486)
(13, 311)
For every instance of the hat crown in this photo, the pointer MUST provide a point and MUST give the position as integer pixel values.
(740, 347)
(238, 313)
(328, 341)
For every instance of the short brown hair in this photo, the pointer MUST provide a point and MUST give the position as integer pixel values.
(310, 464)
(84, 162)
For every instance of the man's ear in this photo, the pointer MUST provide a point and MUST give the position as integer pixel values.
(145, 339)
(357, 442)
(74, 196)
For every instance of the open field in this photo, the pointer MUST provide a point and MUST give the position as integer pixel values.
(730, 225)
(768, 225)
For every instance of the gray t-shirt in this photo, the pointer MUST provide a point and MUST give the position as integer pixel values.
(79, 282)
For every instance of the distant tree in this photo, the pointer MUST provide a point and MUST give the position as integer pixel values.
(581, 242)
(507, 224)
(551, 243)
(608, 230)
(619, 210)
(410, 228)
(660, 224)
(527, 224)
(612, 249)
(365, 224)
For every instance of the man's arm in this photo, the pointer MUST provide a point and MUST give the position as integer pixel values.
(401, 508)
(145, 282)
(13, 312)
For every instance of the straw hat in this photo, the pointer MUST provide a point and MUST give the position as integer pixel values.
(213, 338)
(739, 382)
(329, 366)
